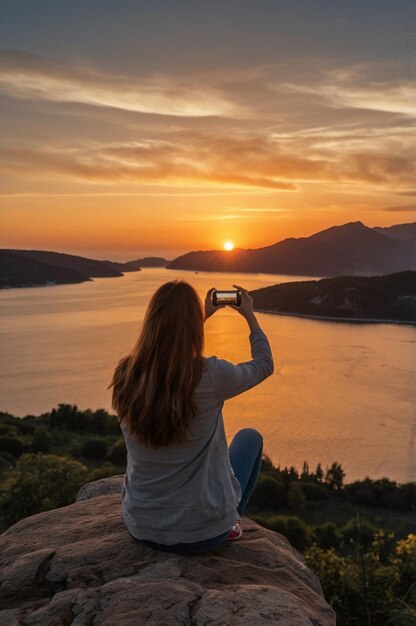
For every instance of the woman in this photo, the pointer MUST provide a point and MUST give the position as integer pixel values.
(184, 490)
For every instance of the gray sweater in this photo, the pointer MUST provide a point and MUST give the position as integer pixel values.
(188, 492)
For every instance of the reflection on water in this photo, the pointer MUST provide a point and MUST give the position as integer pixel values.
(341, 391)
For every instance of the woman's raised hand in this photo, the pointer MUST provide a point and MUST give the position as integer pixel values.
(246, 306)
(209, 307)
(245, 309)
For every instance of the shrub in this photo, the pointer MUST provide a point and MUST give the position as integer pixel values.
(9, 458)
(118, 453)
(5, 464)
(293, 528)
(296, 498)
(341, 583)
(350, 531)
(269, 493)
(41, 441)
(315, 492)
(404, 562)
(360, 492)
(328, 535)
(106, 470)
(11, 445)
(25, 427)
(42, 482)
(94, 449)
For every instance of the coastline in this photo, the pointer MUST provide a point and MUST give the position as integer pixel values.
(323, 318)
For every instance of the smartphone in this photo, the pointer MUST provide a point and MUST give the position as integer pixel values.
(226, 297)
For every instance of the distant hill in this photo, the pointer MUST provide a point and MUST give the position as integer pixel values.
(24, 268)
(352, 248)
(148, 261)
(399, 231)
(19, 271)
(391, 297)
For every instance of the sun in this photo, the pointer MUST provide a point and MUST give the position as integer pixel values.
(228, 246)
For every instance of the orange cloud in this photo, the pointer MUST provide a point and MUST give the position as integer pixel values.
(191, 158)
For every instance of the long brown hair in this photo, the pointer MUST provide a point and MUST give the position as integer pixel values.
(153, 386)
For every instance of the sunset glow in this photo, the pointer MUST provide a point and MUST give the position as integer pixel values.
(163, 141)
(228, 246)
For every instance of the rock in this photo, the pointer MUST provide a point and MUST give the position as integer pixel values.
(78, 566)
(101, 487)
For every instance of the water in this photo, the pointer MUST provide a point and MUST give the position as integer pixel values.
(341, 391)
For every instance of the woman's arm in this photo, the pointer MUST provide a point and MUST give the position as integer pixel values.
(231, 380)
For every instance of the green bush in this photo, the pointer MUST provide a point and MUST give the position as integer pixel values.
(296, 531)
(5, 429)
(106, 470)
(118, 453)
(390, 583)
(8, 458)
(42, 482)
(328, 535)
(296, 498)
(341, 583)
(350, 531)
(5, 464)
(315, 492)
(41, 441)
(269, 493)
(94, 449)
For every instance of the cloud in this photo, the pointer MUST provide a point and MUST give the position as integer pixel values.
(151, 163)
(27, 76)
(403, 208)
(363, 86)
(187, 158)
(373, 148)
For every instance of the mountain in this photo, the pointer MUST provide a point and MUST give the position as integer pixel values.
(148, 261)
(391, 297)
(352, 248)
(20, 271)
(89, 267)
(24, 268)
(399, 231)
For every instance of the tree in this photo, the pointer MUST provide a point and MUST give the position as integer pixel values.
(319, 473)
(305, 471)
(334, 476)
(42, 482)
(296, 498)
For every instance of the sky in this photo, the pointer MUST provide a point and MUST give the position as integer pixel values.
(132, 127)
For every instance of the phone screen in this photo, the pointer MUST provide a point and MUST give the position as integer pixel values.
(226, 297)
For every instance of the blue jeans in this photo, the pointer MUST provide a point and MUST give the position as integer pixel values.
(245, 456)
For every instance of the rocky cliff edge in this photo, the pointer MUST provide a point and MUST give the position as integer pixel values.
(78, 566)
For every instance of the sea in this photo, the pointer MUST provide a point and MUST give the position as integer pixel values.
(341, 391)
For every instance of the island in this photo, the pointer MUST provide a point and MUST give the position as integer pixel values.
(148, 261)
(29, 268)
(388, 298)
